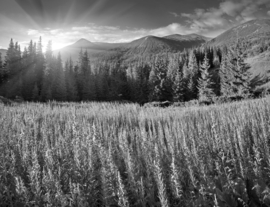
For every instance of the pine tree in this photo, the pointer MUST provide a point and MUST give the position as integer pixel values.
(235, 75)
(1, 70)
(85, 79)
(40, 66)
(205, 84)
(11, 58)
(158, 81)
(140, 84)
(225, 75)
(242, 74)
(72, 92)
(192, 82)
(178, 87)
(29, 71)
(59, 92)
(13, 71)
(46, 93)
(3, 76)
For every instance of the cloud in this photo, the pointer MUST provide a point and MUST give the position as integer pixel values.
(228, 14)
(209, 22)
(230, 7)
(174, 14)
(268, 13)
(32, 32)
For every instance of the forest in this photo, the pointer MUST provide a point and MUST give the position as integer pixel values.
(204, 73)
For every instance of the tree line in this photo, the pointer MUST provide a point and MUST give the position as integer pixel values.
(201, 73)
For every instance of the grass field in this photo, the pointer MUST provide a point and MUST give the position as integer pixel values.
(101, 154)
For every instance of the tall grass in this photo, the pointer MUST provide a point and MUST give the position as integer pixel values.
(102, 154)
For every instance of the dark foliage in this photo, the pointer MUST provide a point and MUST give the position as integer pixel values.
(199, 73)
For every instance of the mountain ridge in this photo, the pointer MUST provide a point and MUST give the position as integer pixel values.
(252, 28)
(142, 46)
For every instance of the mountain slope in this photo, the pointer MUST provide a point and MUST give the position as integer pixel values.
(253, 29)
(94, 49)
(256, 36)
(188, 38)
(173, 43)
(140, 47)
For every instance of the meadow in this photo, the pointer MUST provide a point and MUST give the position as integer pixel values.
(106, 154)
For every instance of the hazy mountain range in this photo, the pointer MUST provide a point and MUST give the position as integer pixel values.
(144, 46)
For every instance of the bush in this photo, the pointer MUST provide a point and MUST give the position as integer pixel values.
(227, 99)
(163, 104)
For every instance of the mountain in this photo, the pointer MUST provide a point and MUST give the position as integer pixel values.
(141, 47)
(188, 38)
(82, 43)
(254, 29)
(94, 49)
(173, 43)
(256, 36)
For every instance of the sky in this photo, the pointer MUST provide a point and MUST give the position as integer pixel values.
(66, 21)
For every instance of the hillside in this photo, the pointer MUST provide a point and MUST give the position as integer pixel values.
(173, 43)
(188, 38)
(254, 29)
(94, 49)
(141, 47)
(256, 36)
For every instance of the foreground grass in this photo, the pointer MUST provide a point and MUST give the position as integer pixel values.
(124, 155)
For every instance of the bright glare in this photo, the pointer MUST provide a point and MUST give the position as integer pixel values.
(57, 43)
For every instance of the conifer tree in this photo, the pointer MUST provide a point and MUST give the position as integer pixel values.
(40, 65)
(59, 92)
(178, 87)
(242, 74)
(72, 92)
(140, 85)
(205, 84)
(13, 82)
(29, 71)
(46, 93)
(192, 82)
(10, 58)
(1, 70)
(235, 75)
(158, 81)
(85, 79)
(3, 76)
(225, 76)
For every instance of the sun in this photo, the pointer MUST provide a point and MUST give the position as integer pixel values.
(57, 42)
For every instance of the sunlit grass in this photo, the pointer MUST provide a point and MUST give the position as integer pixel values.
(105, 154)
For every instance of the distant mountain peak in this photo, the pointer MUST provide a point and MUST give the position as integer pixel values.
(188, 37)
(82, 40)
(82, 43)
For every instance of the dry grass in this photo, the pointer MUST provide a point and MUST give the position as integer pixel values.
(97, 154)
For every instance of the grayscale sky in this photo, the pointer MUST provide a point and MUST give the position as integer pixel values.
(66, 21)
